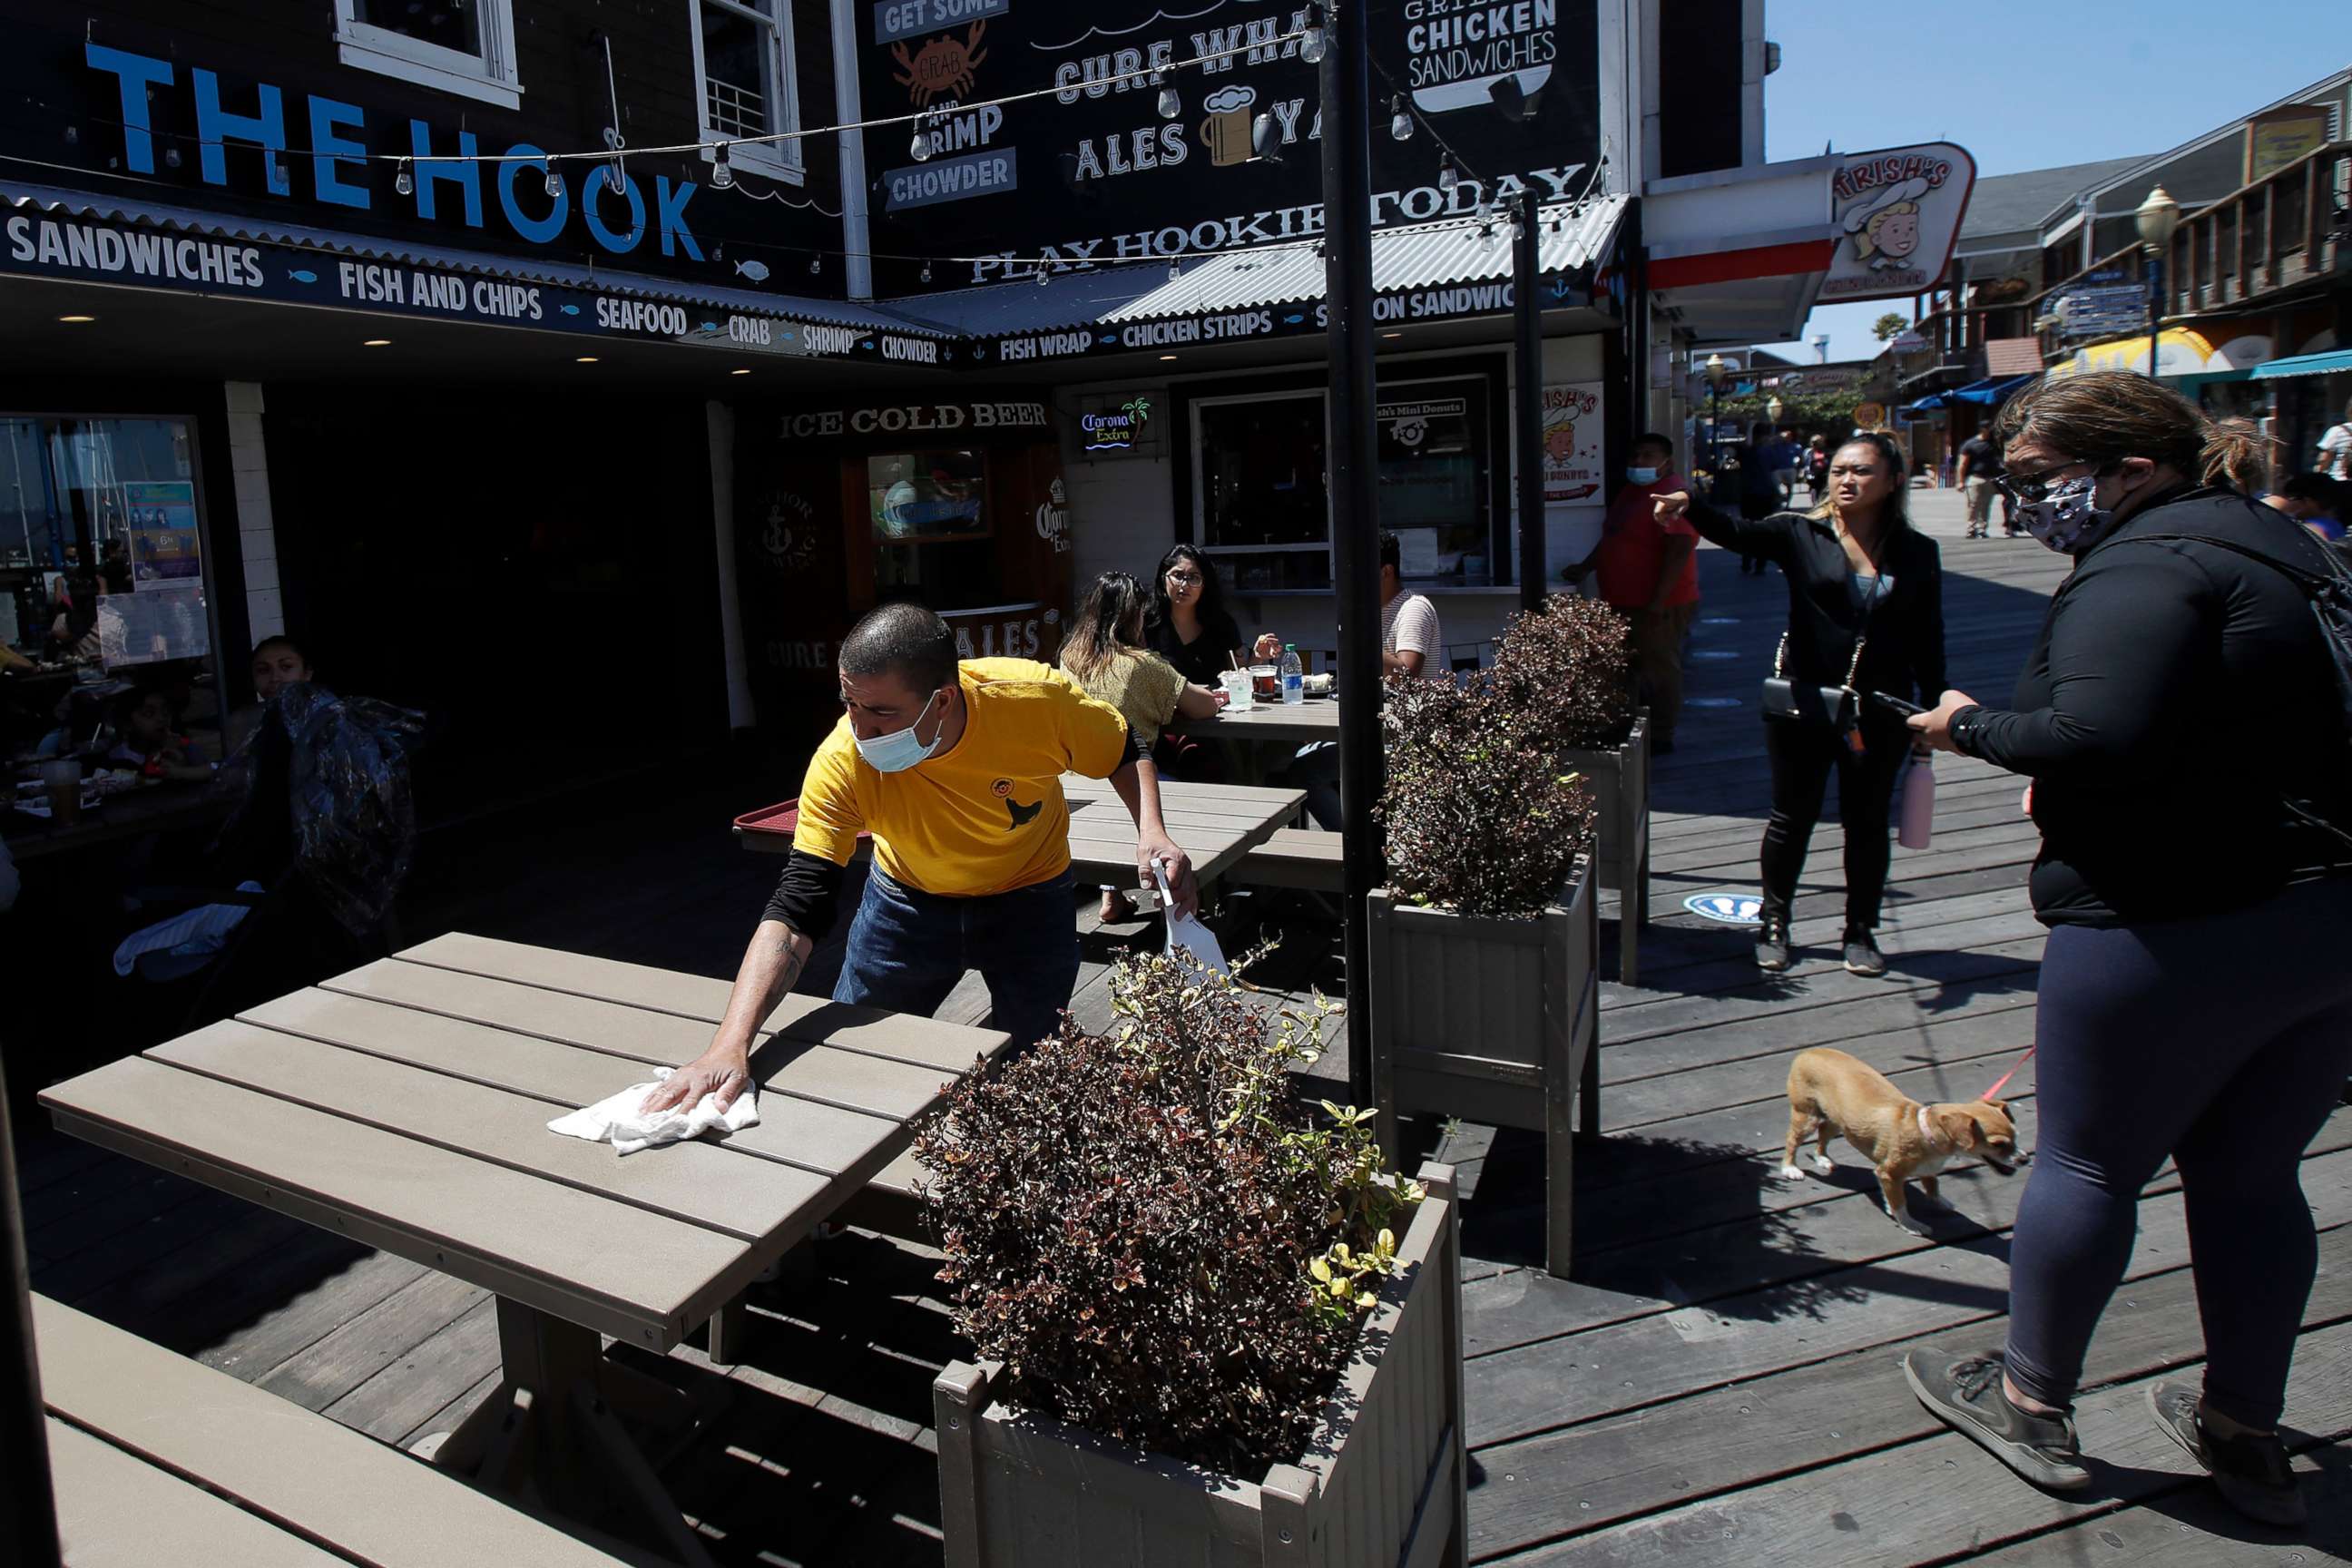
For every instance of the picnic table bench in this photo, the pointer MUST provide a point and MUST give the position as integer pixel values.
(159, 1459)
(404, 1104)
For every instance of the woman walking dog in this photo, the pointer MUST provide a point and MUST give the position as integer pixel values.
(2181, 723)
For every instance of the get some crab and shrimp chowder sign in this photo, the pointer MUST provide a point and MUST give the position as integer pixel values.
(1128, 154)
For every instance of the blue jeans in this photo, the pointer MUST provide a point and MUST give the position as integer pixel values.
(2220, 1040)
(1316, 770)
(908, 949)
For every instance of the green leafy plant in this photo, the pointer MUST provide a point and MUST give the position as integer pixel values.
(1146, 1228)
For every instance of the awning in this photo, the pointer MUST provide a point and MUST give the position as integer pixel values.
(1928, 404)
(1990, 391)
(195, 221)
(2328, 363)
(1470, 260)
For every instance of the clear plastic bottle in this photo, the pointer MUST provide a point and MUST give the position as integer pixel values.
(1294, 675)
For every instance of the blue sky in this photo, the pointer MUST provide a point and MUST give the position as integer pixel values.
(2030, 85)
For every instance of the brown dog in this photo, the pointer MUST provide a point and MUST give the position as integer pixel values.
(1830, 1091)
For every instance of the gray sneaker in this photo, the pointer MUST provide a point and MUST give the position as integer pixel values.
(1862, 954)
(1772, 945)
(1964, 1393)
(2253, 1473)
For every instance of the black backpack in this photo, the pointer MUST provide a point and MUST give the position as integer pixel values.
(2328, 591)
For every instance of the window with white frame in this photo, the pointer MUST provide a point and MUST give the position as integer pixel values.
(465, 46)
(743, 82)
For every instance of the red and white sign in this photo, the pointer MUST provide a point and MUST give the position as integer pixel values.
(1896, 216)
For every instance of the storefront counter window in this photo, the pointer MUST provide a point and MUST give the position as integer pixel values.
(1261, 505)
(103, 602)
(930, 526)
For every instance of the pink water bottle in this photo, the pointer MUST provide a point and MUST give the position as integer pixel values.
(1918, 812)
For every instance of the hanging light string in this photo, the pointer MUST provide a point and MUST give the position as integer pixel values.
(1311, 39)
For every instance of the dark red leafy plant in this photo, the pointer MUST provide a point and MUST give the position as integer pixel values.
(1562, 669)
(1155, 1239)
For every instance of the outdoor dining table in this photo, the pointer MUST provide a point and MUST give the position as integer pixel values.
(404, 1104)
(1285, 723)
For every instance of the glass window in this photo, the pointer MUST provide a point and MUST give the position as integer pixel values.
(1435, 486)
(102, 576)
(1262, 471)
(744, 80)
(465, 46)
(920, 497)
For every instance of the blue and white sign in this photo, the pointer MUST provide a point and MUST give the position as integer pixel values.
(1713, 702)
(1728, 908)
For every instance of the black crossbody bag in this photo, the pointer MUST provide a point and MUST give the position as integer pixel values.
(1835, 708)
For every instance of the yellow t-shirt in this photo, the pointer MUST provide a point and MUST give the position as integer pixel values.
(986, 817)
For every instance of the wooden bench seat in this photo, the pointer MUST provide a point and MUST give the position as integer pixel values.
(160, 1459)
(1303, 858)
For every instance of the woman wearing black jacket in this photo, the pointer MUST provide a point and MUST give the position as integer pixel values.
(1856, 570)
(2180, 723)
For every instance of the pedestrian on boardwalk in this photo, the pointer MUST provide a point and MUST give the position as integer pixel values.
(1865, 614)
(1979, 466)
(2180, 721)
(1817, 468)
(1760, 495)
(1649, 570)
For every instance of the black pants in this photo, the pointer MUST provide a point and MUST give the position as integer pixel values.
(1804, 756)
(2220, 1040)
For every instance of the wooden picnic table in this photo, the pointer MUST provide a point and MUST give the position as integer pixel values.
(1290, 724)
(404, 1104)
(1217, 824)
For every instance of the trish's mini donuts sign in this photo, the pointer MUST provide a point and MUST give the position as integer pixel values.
(1895, 215)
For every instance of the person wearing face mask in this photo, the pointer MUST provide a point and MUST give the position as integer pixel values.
(954, 769)
(1866, 614)
(1649, 571)
(2180, 721)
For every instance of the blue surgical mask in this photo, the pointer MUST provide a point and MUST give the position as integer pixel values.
(2066, 518)
(1643, 476)
(899, 750)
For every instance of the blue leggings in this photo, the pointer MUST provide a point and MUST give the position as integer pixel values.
(908, 950)
(2222, 1041)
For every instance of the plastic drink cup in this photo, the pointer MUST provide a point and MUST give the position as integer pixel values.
(1236, 683)
(63, 781)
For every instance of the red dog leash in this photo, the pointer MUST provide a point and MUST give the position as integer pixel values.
(2000, 1082)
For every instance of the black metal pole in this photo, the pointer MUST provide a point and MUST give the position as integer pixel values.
(2154, 310)
(1355, 494)
(29, 1515)
(1528, 407)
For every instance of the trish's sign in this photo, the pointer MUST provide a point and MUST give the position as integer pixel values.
(1898, 215)
(912, 418)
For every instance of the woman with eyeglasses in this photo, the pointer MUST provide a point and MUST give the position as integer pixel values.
(1865, 614)
(2180, 721)
(1189, 625)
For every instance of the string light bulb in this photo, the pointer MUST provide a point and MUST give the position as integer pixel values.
(1044, 276)
(927, 272)
(922, 149)
(1171, 105)
(817, 264)
(1446, 178)
(722, 173)
(1175, 269)
(554, 181)
(1399, 122)
(1310, 47)
(403, 182)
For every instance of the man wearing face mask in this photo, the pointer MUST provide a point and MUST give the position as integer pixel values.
(1649, 571)
(954, 769)
(2181, 722)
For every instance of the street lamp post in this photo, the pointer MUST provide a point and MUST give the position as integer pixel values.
(1715, 413)
(2156, 219)
(1772, 407)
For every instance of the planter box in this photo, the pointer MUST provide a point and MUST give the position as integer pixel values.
(1493, 1021)
(1619, 778)
(1382, 1483)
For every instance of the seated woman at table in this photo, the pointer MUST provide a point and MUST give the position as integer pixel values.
(1189, 625)
(150, 743)
(1105, 652)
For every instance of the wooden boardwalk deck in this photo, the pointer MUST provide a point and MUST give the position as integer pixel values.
(1718, 1383)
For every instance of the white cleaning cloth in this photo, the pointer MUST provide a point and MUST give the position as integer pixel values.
(618, 1119)
(1186, 932)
